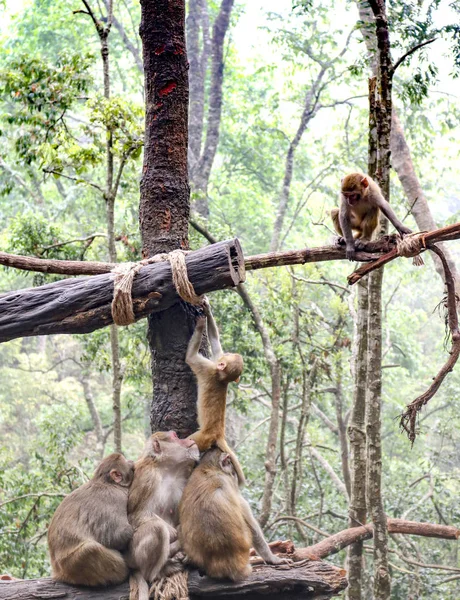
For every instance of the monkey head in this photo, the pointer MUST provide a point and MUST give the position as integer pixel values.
(165, 446)
(229, 367)
(215, 458)
(354, 187)
(115, 469)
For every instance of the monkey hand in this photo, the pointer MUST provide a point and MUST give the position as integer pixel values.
(350, 252)
(206, 306)
(403, 230)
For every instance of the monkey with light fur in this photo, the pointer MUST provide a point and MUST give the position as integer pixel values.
(361, 201)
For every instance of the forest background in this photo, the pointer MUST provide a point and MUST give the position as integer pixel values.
(294, 95)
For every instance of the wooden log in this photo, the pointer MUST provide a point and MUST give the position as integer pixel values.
(84, 304)
(310, 579)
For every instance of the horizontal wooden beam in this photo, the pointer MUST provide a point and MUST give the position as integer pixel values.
(84, 304)
(308, 579)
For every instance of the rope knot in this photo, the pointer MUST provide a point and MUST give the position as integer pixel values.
(122, 303)
(410, 246)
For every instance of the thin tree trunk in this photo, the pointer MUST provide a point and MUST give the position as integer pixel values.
(275, 376)
(117, 375)
(202, 170)
(357, 436)
(164, 205)
(95, 417)
(380, 110)
(344, 452)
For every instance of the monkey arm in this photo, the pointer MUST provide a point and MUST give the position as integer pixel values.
(390, 215)
(213, 332)
(345, 225)
(258, 540)
(193, 357)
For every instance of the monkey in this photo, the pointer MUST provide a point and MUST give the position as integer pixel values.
(160, 475)
(90, 528)
(213, 376)
(217, 528)
(361, 201)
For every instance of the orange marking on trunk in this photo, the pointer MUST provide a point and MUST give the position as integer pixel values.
(168, 88)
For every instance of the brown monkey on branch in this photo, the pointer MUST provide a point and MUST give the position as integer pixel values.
(217, 528)
(361, 201)
(90, 528)
(160, 476)
(213, 376)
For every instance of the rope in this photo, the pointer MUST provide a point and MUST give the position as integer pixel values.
(174, 587)
(122, 303)
(410, 246)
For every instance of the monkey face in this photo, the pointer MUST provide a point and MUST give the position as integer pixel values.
(166, 446)
(352, 197)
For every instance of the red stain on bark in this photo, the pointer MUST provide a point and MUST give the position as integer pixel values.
(160, 49)
(167, 89)
(179, 50)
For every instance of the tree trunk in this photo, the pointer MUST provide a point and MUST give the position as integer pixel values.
(357, 435)
(164, 204)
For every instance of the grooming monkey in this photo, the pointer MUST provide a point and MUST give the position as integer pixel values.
(90, 528)
(160, 476)
(361, 201)
(213, 376)
(217, 528)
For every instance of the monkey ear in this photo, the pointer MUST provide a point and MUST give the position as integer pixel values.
(221, 365)
(116, 476)
(156, 446)
(225, 461)
(365, 182)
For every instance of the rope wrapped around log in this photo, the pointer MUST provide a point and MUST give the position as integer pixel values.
(122, 303)
(411, 245)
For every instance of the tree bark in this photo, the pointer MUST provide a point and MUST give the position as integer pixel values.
(357, 435)
(164, 205)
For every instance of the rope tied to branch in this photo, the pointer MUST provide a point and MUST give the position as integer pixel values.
(410, 246)
(122, 303)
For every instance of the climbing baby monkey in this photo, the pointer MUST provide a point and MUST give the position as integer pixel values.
(213, 376)
(217, 527)
(361, 201)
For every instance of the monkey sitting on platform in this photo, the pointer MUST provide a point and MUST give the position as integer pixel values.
(90, 528)
(217, 527)
(361, 201)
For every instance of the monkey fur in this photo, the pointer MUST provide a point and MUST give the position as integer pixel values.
(361, 201)
(213, 376)
(217, 528)
(90, 528)
(160, 476)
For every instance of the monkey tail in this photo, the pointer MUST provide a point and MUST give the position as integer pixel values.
(138, 587)
(222, 445)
